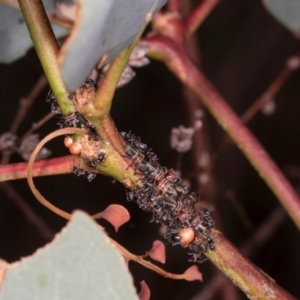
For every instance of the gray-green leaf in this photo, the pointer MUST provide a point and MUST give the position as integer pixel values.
(286, 12)
(79, 264)
(104, 28)
(14, 37)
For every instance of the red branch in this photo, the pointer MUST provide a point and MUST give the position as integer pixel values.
(52, 166)
(174, 5)
(179, 63)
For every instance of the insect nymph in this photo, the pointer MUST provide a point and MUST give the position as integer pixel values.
(171, 204)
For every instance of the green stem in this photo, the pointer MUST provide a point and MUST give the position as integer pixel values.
(104, 95)
(250, 279)
(47, 49)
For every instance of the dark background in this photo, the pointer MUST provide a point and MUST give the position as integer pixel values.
(242, 50)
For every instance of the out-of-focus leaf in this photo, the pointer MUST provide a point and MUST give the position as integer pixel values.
(158, 251)
(14, 37)
(286, 12)
(192, 274)
(103, 28)
(79, 264)
(116, 215)
(145, 293)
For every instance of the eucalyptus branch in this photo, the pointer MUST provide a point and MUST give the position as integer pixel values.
(250, 279)
(47, 49)
(179, 63)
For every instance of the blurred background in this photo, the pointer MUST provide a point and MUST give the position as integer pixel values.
(241, 49)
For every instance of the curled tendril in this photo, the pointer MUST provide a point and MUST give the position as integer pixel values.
(31, 184)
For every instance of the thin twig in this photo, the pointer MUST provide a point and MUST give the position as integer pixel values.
(259, 103)
(35, 126)
(238, 207)
(37, 194)
(139, 259)
(31, 184)
(26, 103)
(28, 212)
(104, 95)
(179, 63)
(270, 92)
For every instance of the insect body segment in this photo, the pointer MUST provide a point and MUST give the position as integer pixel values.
(98, 160)
(172, 205)
(80, 172)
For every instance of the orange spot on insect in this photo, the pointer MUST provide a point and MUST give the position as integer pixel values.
(75, 148)
(68, 141)
(187, 235)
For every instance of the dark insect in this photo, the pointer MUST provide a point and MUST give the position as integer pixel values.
(87, 125)
(97, 160)
(78, 121)
(136, 156)
(75, 119)
(54, 106)
(88, 175)
(135, 141)
(172, 205)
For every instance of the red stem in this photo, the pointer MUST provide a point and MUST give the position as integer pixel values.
(179, 63)
(174, 5)
(46, 167)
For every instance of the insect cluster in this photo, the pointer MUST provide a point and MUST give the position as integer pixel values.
(172, 204)
(74, 119)
(78, 121)
(161, 193)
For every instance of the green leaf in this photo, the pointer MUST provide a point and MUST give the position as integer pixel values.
(286, 12)
(79, 264)
(14, 37)
(103, 28)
